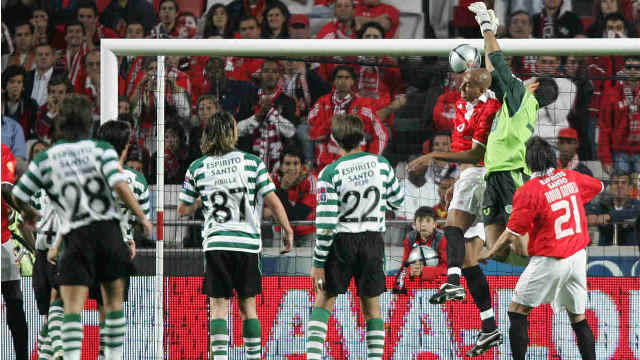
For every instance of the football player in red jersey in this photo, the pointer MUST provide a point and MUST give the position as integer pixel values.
(475, 110)
(11, 291)
(550, 209)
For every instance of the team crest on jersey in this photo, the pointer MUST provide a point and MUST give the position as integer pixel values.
(11, 166)
(460, 127)
(486, 211)
(508, 209)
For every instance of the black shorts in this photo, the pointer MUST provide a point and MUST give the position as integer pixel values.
(94, 253)
(359, 256)
(498, 195)
(226, 271)
(96, 294)
(44, 280)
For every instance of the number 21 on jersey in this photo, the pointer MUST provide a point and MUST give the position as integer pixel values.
(568, 210)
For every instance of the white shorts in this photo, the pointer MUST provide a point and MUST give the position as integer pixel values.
(560, 282)
(475, 230)
(468, 192)
(9, 271)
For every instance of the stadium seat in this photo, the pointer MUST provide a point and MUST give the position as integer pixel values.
(411, 25)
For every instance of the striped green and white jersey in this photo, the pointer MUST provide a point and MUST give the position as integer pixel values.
(232, 188)
(79, 177)
(48, 224)
(354, 192)
(140, 188)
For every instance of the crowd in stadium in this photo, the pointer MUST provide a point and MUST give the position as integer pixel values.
(52, 48)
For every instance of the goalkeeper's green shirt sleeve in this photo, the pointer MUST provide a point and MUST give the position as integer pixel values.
(506, 85)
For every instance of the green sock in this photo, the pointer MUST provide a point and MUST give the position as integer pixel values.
(219, 337)
(72, 333)
(115, 327)
(375, 338)
(251, 334)
(56, 315)
(44, 344)
(103, 336)
(317, 333)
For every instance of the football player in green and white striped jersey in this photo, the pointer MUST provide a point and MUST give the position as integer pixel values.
(118, 134)
(79, 175)
(231, 186)
(354, 193)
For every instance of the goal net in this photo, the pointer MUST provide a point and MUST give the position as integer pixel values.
(412, 97)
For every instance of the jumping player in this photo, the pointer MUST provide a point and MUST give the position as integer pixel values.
(231, 186)
(475, 111)
(353, 195)
(79, 175)
(550, 208)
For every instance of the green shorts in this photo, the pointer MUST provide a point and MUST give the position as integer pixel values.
(498, 195)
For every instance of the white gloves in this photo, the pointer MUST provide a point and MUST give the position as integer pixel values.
(486, 18)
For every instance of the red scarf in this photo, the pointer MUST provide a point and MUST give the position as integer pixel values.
(73, 64)
(266, 137)
(262, 96)
(291, 85)
(341, 106)
(369, 82)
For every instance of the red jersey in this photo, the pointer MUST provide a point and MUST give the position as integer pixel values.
(243, 69)
(445, 109)
(619, 122)
(8, 176)
(473, 120)
(327, 150)
(336, 30)
(304, 192)
(381, 9)
(428, 272)
(551, 209)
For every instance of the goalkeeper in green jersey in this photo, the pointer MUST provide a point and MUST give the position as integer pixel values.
(513, 125)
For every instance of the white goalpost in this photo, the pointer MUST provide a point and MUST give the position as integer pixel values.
(111, 48)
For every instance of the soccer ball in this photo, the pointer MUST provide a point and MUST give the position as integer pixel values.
(425, 255)
(463, 57)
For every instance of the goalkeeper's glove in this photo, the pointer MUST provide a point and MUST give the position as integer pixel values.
(485, 18)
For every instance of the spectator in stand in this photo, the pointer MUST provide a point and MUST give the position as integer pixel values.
(521, 27)
(619, 136)
(88, 84)
(635, 187)
(239, 98)
(568, 146)
(385, 15)
(344, 25)
(207, 106)
(167, 14)
(131, 66)
(380, 79)
(579, 116)
(19, 106)
(124, 106)
(275, 23)
(35, 84)
(615, 206)
(71, 59)
(215, 22)
(137, 159)
(299, 27)
(24, 51)
(556, 22)
(239, 9)
(57, 89)
(421, 188)
(129, 11)
(175, 154)
(87, 14)
(296, 188)
(13, 135)
(425, 233)
(554, 116)
(444, 110)
(43, 28)
(343, 100)
(187, 25)
(177, 98)
(444, 191)
(20, 11)
(603, 8)
(245, 69)
(305, 87)
(273, 125)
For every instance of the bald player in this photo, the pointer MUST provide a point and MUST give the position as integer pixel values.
(475, 111)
